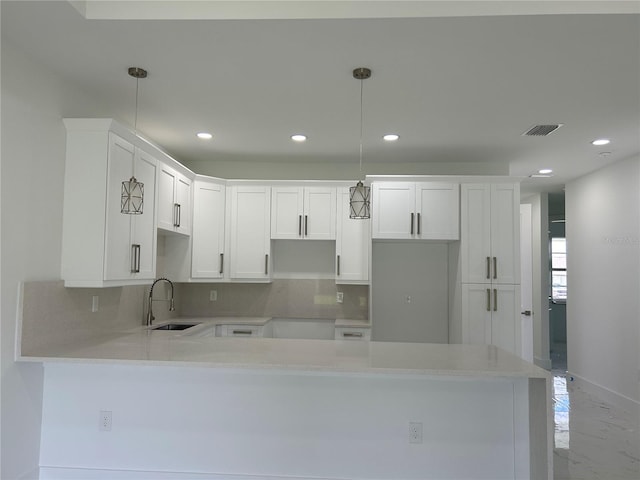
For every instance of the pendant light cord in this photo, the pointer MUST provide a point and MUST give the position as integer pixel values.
(135, 120)
(361, 123)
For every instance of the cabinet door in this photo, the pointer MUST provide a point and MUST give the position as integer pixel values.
(393, 210)
(437, 214)
(183, 205)
(207, 259)
(287, 213)
(250, 232)
(476, 314)
(144, 226)
(352, 243)
(118, 248)
(167, 178)
(505, 233)
(475, 242)
(319, 222)
(505, 318)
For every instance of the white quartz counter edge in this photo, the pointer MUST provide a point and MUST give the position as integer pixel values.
(162, 348)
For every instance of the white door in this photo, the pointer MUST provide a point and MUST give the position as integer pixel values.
(438, 211)
(207, 260)
(183, 205)
(319, 213)
(393, 210)
(476, 314)
(475, 218)
(287, 213)
(352, 243)
(526, 282)
(144, 226)
(505, 245)
(505, 322)
(167, 179)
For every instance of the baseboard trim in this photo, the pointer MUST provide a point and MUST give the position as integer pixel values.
(65, 473)
(30, 475)
(616, 399)
(542, 362)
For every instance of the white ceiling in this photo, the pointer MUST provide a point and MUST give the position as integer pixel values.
(456, 88)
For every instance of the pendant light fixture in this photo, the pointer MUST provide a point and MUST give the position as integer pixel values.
(132, 197)
(360, 195)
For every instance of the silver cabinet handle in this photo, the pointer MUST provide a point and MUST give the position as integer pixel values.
(299, 225)
(338, 266)
(306, 225)
(495, 267)
(352, 334)
(488, 299)
(495, 299)
(488, 268)
(526, 313)
(176, 214)
(135, 258)
(266, 264)
(242, 332)
(419, 224)
(221, 263)
(412, 215)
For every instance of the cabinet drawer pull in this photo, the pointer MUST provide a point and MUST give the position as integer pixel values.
(488, 299)
(306, 225)
(135, 258)
(412, 215)
(419, 225)
(495, 299)
(266, 264)
(299, 225)
(242, 332)
(352, 334)
(338, 266)
(495, 267)
(176, 214)
(221, 263)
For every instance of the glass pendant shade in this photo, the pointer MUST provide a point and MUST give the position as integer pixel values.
(132, 198)
(360, 202)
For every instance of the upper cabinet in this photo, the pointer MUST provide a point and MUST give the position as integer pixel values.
(102, 246)
(250, 242)
(490, 246)
(353, 239)
(408, 210)
(208, 239)
(303, 213)
(174, 201)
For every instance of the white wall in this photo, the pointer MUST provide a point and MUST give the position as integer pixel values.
(540, 246)
(33, 153)
(603, 245)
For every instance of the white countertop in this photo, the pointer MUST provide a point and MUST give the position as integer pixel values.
(183, 348)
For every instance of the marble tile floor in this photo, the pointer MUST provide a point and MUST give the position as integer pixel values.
(593, 440)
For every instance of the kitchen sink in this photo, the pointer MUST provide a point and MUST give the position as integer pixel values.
(175, 326)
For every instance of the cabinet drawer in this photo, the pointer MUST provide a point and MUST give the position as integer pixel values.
(241, 331)
(346, 333)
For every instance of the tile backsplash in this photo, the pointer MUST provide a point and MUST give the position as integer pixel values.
(53, 315)
(281, 298)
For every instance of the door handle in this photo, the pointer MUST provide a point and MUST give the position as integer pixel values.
(495, 268)
(135, 258)
(306, 225)
(266, 264)
(221, 263)
(299, 225)
(526, 313)
(488, 268)
(419, 224)
(412, 215)
(488, 299)
(338, 266)
(495, 299)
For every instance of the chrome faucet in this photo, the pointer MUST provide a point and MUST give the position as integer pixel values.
(172, 308)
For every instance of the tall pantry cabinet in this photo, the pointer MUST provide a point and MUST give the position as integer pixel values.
(489, 259)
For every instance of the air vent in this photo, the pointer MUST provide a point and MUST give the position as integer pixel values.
(541, 130)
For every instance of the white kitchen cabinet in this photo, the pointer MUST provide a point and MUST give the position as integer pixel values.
(353, 241)
(208, 239)
(422, 210)
(303, 212)
(490, 240)
(250, 236)
(102, 246)
(490, 315)
(245, 331)
(174, 201)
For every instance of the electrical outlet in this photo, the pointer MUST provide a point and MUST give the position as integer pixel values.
(213, 296)
(105, 420)
(95, 303)
(415, 432)
(339, 297)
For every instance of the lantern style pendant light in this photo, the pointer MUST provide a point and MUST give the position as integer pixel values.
(132, 196)
(360, 195)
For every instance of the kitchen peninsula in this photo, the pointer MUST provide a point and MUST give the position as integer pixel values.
(186, 405)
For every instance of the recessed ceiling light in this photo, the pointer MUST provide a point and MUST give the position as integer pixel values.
(204, 135)
(391, 137)
(545, 171)
(601, 141)
(298, 138)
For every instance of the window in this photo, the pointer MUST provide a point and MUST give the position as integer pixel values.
(559, 270)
